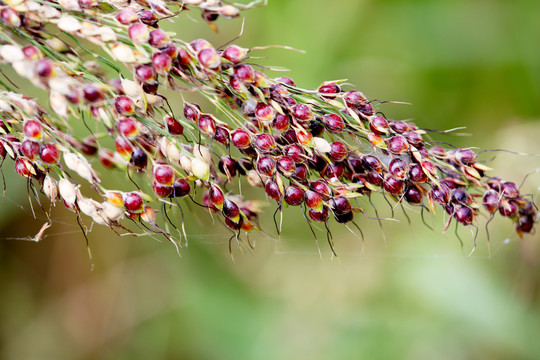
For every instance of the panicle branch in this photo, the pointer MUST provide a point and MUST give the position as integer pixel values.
(313, 148)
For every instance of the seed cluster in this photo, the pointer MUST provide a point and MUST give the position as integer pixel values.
(317, 149)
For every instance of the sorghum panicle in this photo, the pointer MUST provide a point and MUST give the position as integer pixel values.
(317, 149)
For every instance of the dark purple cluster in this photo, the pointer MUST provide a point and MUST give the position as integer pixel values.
(317, 150)
(505, 197)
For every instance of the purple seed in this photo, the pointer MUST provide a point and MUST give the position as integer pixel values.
(302, 112)
(379, 125)
(281, 122)
(158, 38)
(244, 73)
(43, 68)
(162, 190)
(207, 124)
(398, 168)
(338, 151)
(365, 110)
(440, 195)
(461, 196)
(294, 195)
(286, 80)
(333, 123)
(508, 208)
(209, 58)
(147, 17)
(266, 166)
(272, 190)
(295, 152)
(525, 224)
(355, 164)
(354, 99)
(30, 149)
(316, 128)
(289, 137)
(334, 171)
(399, 126)
(397, 144)
(191, 112)
(465, 156)
(414, 138)
(413, 195)
(374, 178)
(278, 92)
(510, 190)
(321, 188)
(301, 172)
(92, 94)
(240, 138)
(139, 159)
(265, 142)
(227, 166)
(313, 200)
(329, 91)
(464, 215)
(235, 54)
(222, 135)
(393, 184)
(317, 163)
(371, 163)
(344, 218)
(319, 216)
(417, 174)
(145, 73)
(231, 210)
(161, 62)
(181, 188)
(286, 165)
(340, 205)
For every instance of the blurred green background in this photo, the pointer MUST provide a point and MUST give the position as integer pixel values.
(411, 294)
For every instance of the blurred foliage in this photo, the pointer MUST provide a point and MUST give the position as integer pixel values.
(410, 294)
